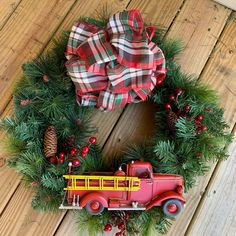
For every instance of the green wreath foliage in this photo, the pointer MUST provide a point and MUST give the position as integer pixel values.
(182, 151)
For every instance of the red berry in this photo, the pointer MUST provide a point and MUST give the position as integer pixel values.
(93, 140)
(61, 155)
(159, 81)
(85, 149)
(179, 91)
(61, 160)
(75, 162)
(187, 107)
(203, 128)
(167, 106)
(119, 234)
(171, 97)
(24, 102)
(83, 154)
(72, 152)
(75, 149)
(199, 118)
(107, 227)
(34, 184)
(121, 226)
(53, 160)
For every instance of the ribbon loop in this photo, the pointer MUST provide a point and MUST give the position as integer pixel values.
(114, 66)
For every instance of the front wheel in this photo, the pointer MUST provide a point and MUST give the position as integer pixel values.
(172, 208)
(94, 207)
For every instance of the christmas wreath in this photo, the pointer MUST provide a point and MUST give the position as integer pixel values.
(111, 61)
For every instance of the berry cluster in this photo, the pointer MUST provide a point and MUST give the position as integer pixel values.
(178, 111)
(174, 97)
(119, 220)
(73, 154)
(198, 124)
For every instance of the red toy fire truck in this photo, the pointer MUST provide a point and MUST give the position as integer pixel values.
(136, 189)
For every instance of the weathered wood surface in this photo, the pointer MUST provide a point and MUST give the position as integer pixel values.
(6, 10)
(30, 25)
(218, 205)
(221, 203)
(24, 35)
(198, 25)
(79, 9)
(228, 3)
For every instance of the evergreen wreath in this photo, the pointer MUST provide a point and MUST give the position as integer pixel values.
(190, 132)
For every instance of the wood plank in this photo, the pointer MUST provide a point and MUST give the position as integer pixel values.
(9, 179)
(228, 3)
(189, 8)
(220, 74)
(159, 13)
(216, 214)
(19, 218)
(8, 7)
(24, 35)
(199, 29)
(105, 125)
(215, 75)
(140, 115)
(121, 130)
(80, 9)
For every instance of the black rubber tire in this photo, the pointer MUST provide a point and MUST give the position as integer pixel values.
(179, 205)
(91, 211)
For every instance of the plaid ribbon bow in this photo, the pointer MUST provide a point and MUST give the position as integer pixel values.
(114, 66)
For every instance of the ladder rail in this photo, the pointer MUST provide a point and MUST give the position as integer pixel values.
(130, 183)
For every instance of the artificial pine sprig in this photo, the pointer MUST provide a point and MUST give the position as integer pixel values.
(45, 96)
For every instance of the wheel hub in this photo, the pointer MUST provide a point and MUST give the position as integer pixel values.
(94, 205)
(172, 208)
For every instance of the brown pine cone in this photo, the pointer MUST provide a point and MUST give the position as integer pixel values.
(171, 120)
(50, 141)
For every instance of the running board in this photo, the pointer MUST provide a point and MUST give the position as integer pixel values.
(126, 209)
(70, 207)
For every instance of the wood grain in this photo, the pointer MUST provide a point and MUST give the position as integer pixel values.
(228, 3)
(220, 74)
(138, 116)
(8, 7)
(122, 130)
(159, 13)
(16, 220)
(24, 35)
(104, 124)
(19, 218)
(216, 214)
(9, 179)
(21, 34)
(218, 80)
(198, 25)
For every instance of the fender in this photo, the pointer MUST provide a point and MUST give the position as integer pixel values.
(94, 196)
(163, 197)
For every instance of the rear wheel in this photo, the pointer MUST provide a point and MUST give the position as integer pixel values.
(94, 207)
(173, 207)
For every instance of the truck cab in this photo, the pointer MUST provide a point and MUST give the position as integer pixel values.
(136, 188)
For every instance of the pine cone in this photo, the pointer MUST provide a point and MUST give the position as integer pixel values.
(50, 141)
(171, 120)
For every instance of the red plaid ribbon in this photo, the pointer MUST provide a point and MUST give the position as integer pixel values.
(114, 66)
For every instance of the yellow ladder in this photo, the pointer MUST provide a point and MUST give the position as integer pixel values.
(117, 183)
